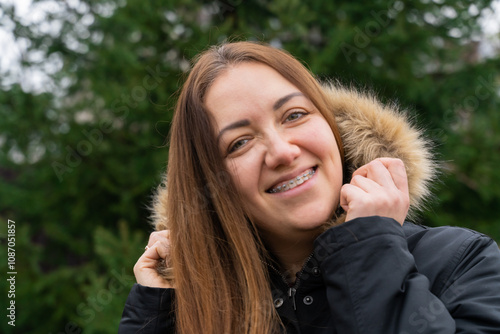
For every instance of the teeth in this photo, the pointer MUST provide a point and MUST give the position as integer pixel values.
(293, 182)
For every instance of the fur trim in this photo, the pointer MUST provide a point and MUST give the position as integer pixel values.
(159, 207)
(371, 130)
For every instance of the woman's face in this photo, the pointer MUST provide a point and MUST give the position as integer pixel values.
(279, 149)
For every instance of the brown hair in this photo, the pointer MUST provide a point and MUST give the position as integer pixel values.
(217, 255)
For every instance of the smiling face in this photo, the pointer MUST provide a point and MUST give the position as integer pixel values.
(279, 149)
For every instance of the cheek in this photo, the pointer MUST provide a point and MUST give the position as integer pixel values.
(245, 180)
(244, 174)
(323, 145)
(321, 140)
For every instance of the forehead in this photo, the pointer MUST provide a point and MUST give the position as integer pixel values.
(244, 89)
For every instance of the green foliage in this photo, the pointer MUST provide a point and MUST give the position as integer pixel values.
(79, 161)
(106, 290)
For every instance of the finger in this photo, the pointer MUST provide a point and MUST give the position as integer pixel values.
(397, 171)
(149, 257)
(365, 184)
(377, 171)
(348, 192)
(162, 249)
(159, 250)
(158, 235)
(361, 171)
(148, 262)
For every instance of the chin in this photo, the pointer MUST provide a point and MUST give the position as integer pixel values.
(321, 222)
(319, 217)
(313, 224)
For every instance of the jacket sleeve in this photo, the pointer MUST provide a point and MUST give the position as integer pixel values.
(374, 286)
(148, 311)
(470, 286)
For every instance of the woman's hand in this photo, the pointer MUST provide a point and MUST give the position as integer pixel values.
(379, 188)
(145, 270)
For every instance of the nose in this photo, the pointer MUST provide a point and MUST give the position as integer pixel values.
(280, 151)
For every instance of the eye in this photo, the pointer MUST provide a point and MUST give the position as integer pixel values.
(237, 145)
(295, 115)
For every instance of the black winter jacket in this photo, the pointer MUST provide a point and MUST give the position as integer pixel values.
(369, 275)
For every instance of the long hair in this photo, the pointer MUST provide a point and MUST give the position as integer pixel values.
(220, 279)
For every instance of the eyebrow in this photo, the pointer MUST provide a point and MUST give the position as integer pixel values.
(278, 104)
(235, 125)
(245, 122)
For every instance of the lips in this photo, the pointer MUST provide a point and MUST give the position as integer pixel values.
(289, 184)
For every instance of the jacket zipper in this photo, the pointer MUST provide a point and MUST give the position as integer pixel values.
(292, 290)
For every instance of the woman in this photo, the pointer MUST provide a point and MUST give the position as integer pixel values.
(286, 212)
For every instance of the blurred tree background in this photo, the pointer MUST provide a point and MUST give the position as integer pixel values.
(84, 122)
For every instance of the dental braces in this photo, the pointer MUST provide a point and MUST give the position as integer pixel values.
(293, 183)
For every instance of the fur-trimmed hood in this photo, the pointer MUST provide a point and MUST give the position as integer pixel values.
(369, 130)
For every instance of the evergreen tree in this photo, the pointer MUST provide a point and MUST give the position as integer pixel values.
(80, 158)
